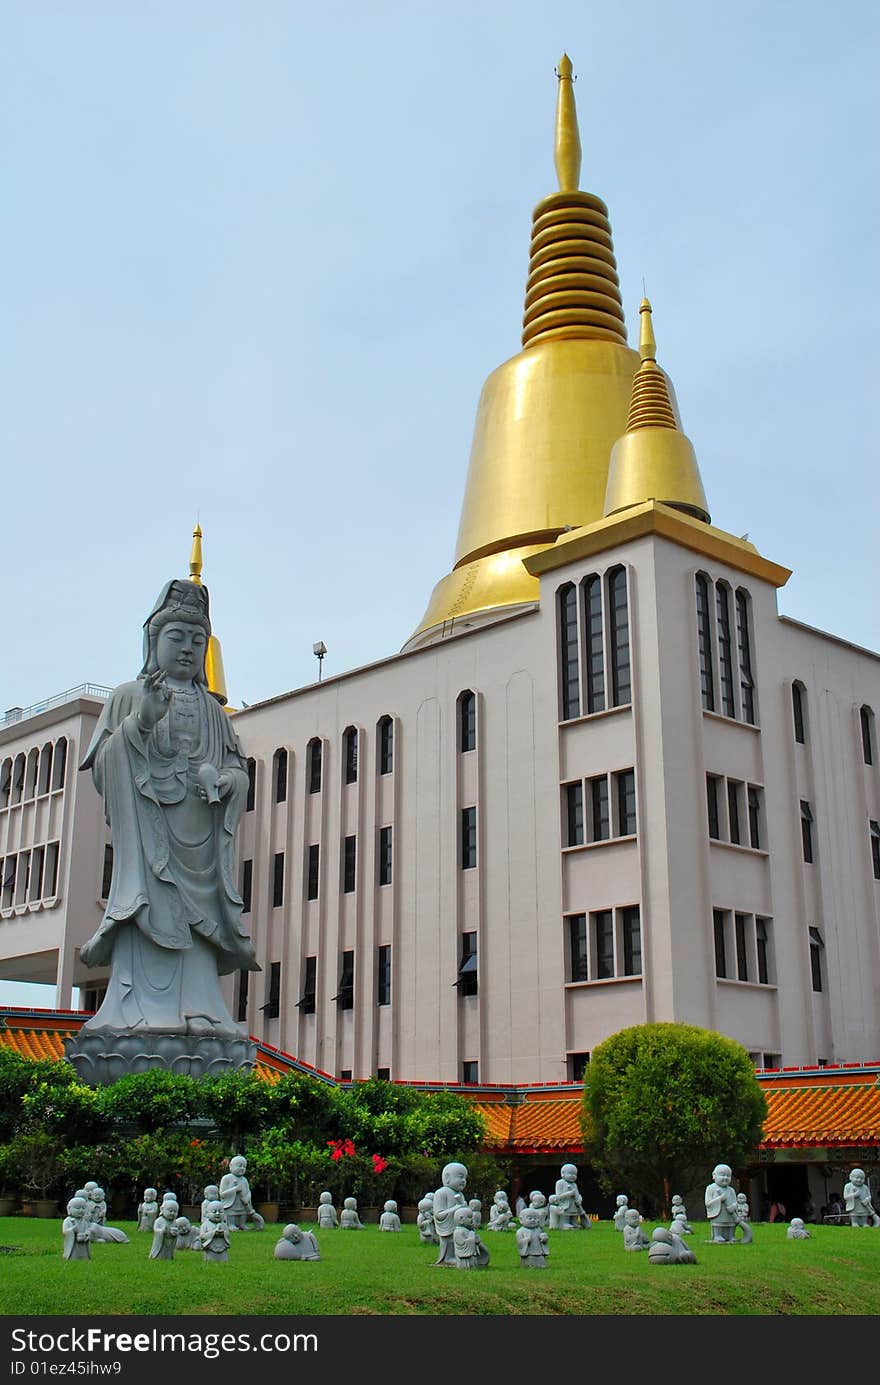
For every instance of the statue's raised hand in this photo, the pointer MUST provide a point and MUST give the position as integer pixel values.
(155, 701)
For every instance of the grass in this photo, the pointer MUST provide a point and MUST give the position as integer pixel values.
(375, 1273)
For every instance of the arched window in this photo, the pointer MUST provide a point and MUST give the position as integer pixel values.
(595, 664)
(279, 775)
(799, 712)
(467, 720)
(704, 635)
(313, 765)
(18, 778)
(30, 778)
(618, 638)
(569, 661)
(866, 719)
(725, 649)
(350, 754)
(386, 745)
(251, 799)
(59, 763)
(45, 768)
(744, 649)
(5, 782)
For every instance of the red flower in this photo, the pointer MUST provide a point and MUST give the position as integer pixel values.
(379, 1163)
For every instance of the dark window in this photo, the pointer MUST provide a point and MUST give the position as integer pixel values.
(772, 1060)
(383, 975)
(244, 979)
(59, 763)
(603, 934)
(577, 947)
(37, 864)
(51, 874)
(577, 1065)
(626, 802)
(595, 652)
(45, 773)
(568, 653)
(754, 798)
(797, 708)
(10, 868)
(280, 776)
(351, 755)
(733, 789)
(720, 942)
(306, 1002)
(712, 805)
(386, 745)
(247, 880)
(6, 780)
(345, 1074)
(468, 838)
(621, 681)
(467, 721)
(345, 998)
(574, 814)
(349, 864)
(278, 880)
(470, 1072)
(601, 822)
(632, 941)
(385, 850)
(866, 717)
(725, 652)
(875, 848)
(742, 954)
(314, 871)
(467, 967)
(746, 681)
(313, 761)
(807, 829)
(272, 1008)
(107, 875)
(383, 1074)
(704, 632)
(816, 949)
(251, 766)
(762, 940)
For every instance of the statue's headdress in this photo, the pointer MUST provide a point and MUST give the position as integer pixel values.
(179, 599)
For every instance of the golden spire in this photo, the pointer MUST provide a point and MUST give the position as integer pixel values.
(567, 151)
(213, 657)
(653, 460)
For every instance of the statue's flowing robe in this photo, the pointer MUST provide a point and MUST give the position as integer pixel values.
(172, 924)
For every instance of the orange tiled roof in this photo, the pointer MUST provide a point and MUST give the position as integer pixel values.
(36, 1043)
(533, 1126)
(842, 1114)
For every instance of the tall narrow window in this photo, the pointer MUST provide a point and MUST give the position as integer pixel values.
(59, 763)
(631, 929)
(754, 801)
(45, 772)
(313, 764)
(626, 803)
(762, 941)
(592, 587)
(383, 974)
(468, 838)
(704, 635)
(349, 864)
(6, 780)
(470, 1072)
(807, 829)
(249, 802)
(744, 644)
(467, 721)
(385, 850)
(578, 947)
(280, 775)
(272, 1008)
(24, 877)
(733, 792)
(345, 996)
(866, 718)
(37, 866)
(740, 923)
(244, 978)
(247, 882)
(712, 806)
(600, 825)
(875, 847)
(386, 745)
(306, 1002)
(577, 1064)
(107, 874)
(278, 880)
(350, 754)
(621, 680)
(313, 873)
(725, 651)
(18, 778)
(720, 942)
(50, 886)
(569, 670)
(798, 698)
(467, 967)
(574, 813)
(603, 937)
(30, 783)
(7, 882)
(817, 947)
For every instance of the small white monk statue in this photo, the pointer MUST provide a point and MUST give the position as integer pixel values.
(667, 1248)
(296, 1244)
(797, 1231)
(165, 1231)
(76, 1229)
(470, 1253)
(214, 1235)
(634, 1237)
(447, 1200)
(531, 1240)
(721, 1205)
(349, 1219)
(857, 1197)
(389, 1219)
(148, 1210)
(235, 1194)
(327, 1218)
(620, 1215)
(500, 1213)
(571, 1213)
(425, 1221)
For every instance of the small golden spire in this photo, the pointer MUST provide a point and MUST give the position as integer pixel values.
(647, 344)
(195, 557)
(567, 148)
(650, 406)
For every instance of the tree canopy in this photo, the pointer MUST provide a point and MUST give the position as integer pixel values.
(663, 1103)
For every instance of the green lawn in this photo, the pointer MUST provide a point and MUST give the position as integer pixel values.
(377, 1273)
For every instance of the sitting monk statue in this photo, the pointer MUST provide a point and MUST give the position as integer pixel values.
(296, 1244)
(167, 763)
(667, 1248)
(235, 1198)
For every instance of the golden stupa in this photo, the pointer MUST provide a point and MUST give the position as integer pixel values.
(548, 418)
(214, 658)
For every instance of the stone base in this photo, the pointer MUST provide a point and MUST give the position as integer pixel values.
(102, 1056)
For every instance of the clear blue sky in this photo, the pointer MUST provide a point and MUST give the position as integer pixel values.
(260, 257)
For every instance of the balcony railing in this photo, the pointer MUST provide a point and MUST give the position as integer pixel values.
(16, 714)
